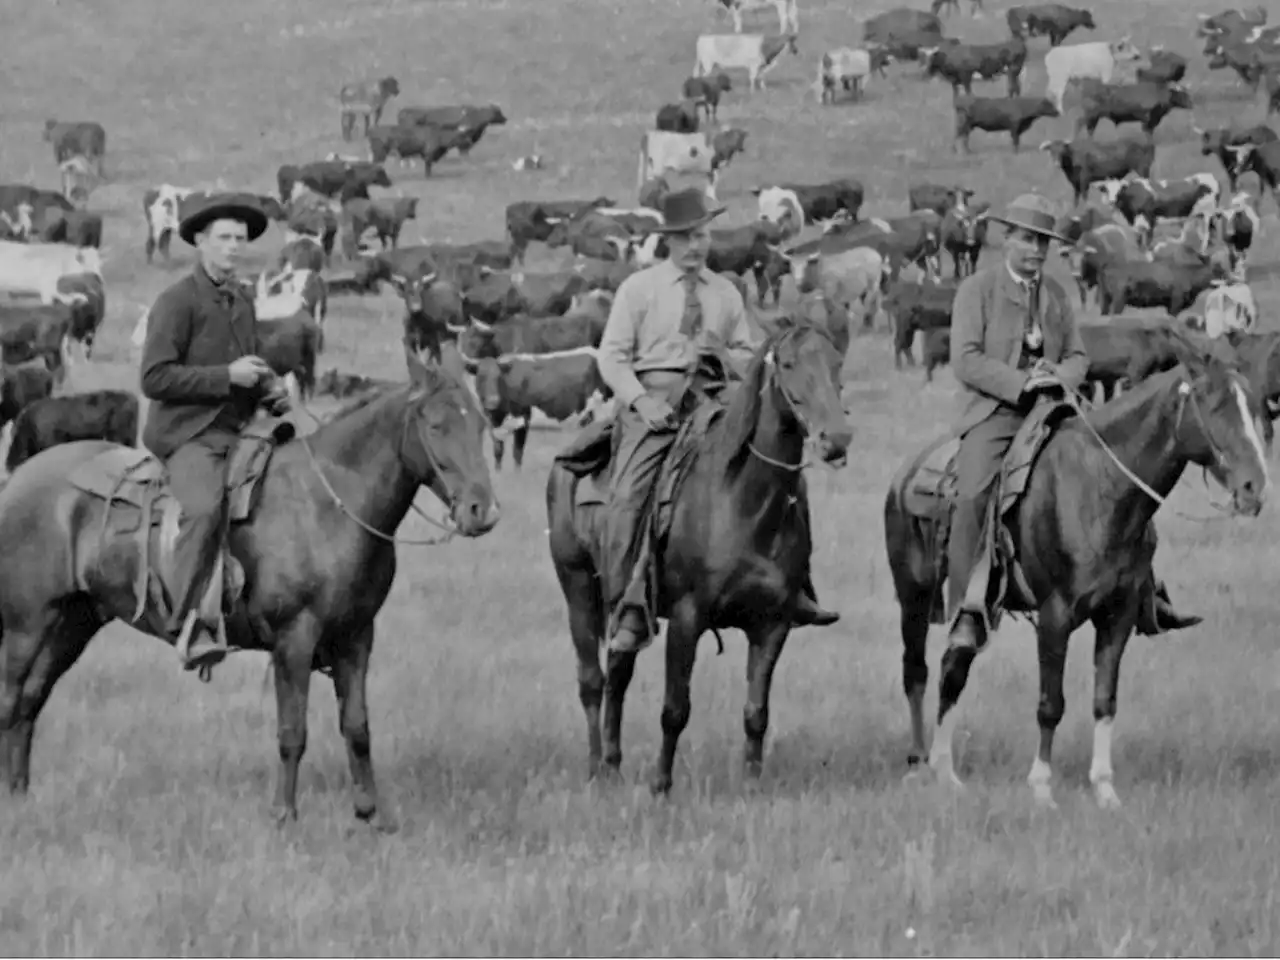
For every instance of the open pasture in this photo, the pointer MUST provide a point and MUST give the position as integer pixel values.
(146, 829)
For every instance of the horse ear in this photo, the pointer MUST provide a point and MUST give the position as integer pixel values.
(421, 364)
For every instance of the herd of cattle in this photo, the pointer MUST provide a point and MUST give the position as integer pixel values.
(528, 335)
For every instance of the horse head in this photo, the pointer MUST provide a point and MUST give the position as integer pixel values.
(797, 370)
(1219, 417)
(442, 446)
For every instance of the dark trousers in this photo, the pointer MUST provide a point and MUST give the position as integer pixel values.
(978, 462)
(197, 480)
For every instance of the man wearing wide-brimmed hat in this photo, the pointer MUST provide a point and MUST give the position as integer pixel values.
(663, 320)
(1013, 336)
(204, 380)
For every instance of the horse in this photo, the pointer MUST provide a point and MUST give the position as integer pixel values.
(738, 546)
(318, 555)
(1084, 543)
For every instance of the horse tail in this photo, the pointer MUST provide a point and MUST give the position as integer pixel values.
(23, 446)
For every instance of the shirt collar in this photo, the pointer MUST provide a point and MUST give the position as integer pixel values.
(227, 290)
(678, 275)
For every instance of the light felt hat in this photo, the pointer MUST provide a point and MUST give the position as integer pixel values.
(1031, 212)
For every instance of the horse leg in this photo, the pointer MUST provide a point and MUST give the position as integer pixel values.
(764, 647)
(1052, 634)
(31, 662)
(518, 438)
(292, 657)
(915, 669)
(586, 630)
(1113, 632)
(619, 671)
(350, 672)
(683, 630)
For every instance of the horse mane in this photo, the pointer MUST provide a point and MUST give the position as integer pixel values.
(375, 391)
(744, 410)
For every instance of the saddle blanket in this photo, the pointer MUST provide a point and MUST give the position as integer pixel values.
(929, 494)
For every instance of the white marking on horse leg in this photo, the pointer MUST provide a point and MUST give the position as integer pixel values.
(1039, 777)
(941, 761)
(295, 390)
(1251, 432)
(1100, 772)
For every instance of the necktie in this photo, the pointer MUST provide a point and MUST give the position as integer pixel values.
(1033, 336)
(691, 321)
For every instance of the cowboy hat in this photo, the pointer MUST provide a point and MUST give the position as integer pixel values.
(1031, 212)
(685, 210)
(200, 211)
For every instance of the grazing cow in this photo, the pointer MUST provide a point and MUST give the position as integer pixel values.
(788, 15)
(678, 117)
(77, 179)
(1262, 159)
(1229, 308)
(430, 143)
(530, 220)
(110, 415)
(845, 68)
(160, 206)
(1156, 283)
(1085, 161)
(1144, 103)
(78, 138)
(753, 53)
(688, 154)
(725, 144)
(961, 63)
(330, 178)
(706, 91)
(22, 384)
(899, 21)
(935, 197)
(964, 234)
(1014, 114)
(1165, 67)
(1053, 20)
(500, 295)
(739, 249)
(1082, 61)
(850, 278)
(561, 385)
(916, 306)
(802, 204)
(469, 120)
(37, 268)
(367, 99)
(386, 216)
(1217, 143)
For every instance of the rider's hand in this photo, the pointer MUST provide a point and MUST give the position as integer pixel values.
(277, 401)
(247, 371)
(656, 414)
(1040, 381)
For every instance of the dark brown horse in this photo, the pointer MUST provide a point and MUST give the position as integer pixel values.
(1083, 540)
(318, 556)
(737, 551)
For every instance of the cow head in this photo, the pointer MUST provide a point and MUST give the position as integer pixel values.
(1058, 149)
(781, 207)
(389, 87)
(1240, 156)
(1123, 50)
(1178, 96)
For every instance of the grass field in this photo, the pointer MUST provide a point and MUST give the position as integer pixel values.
(146, 831)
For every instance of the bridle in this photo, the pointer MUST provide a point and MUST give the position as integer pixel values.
(773, 380)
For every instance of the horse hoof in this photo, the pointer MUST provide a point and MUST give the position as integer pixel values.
(284, 815)
(752, 769)
(1043, 796)
(660, 785)
(1106, 796)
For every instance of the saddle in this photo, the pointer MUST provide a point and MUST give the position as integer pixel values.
(929, 495)
(134, 485)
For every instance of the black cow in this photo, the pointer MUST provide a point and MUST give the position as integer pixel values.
(936, 350)
(530, 220)
(1173, 200)
(1085, 161)
(725, 144)
(1231, 21)
(430, 143)
(916, 306)
(964, 234)
(581, 327)
(899, 21)
(1156, 283)
(705, 91)
(331, 178)
(1144, 103)
(935, 197)
(1217, 143)
(99, 415)
(80, 228)
(500, 295)
(88, 314)
(1262, 159)
(433, 312)
(1053, 20)
(22, 384)
(84, 138)
(386, 216)
(290, 345)
(824, 201)
(1250, 60)
(678, 117)
(961, 63)
(35, 331)
(561, 386)
(1166, 67)
(1014, 114)
(1127, 350)
(469, 120)
(739, 249)
(396, 267)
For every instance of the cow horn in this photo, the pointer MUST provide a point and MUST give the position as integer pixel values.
(481, 325)
(427, 279)
(504, 363)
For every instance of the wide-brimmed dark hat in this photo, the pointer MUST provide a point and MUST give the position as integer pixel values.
(685, 210)
(1031, 212)
(200, 211)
